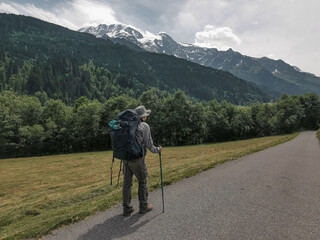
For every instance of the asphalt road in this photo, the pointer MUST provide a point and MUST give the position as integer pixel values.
(272, 194)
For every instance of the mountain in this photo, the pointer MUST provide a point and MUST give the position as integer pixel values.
(272, 76)
(40, 56)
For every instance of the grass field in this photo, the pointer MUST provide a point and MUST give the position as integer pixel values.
(40, 194)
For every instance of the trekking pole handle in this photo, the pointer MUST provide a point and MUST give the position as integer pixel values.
(160, 147)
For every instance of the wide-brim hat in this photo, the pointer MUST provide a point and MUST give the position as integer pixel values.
(142, 111)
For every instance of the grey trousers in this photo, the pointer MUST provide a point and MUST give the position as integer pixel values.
(138, 168)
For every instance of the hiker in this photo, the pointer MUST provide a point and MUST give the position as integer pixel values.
(138, 167)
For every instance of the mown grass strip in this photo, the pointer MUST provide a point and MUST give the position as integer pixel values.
(40, 194)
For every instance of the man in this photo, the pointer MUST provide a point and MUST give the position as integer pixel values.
(138, 167)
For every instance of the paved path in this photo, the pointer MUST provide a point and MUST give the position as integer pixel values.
(272, 194)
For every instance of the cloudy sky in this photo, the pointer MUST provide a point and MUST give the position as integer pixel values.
(279, 29)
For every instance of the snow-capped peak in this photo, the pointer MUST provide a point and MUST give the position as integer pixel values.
(148, 36)
(163, 34)
(161, 42)
(122, 31)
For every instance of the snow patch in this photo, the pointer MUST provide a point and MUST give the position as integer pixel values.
(185, 44)
(238, 64)
(275, 71)
(297, 69)
(148, 37)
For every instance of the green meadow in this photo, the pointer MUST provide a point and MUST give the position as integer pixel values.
(39, 194)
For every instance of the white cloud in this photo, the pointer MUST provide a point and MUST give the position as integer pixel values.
(73, 15)
(7, 8)
(289, 29)
(221, 38)
(91, 13)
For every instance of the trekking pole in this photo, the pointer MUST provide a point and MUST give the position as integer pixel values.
(161, 182)
(111, 169)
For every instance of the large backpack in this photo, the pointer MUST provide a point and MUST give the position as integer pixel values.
(123, 136)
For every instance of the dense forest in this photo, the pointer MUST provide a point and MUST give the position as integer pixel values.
(39, 125)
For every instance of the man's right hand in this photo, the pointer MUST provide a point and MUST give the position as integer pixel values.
(160, 148)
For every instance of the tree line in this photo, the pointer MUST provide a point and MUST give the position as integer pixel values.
(38, 125)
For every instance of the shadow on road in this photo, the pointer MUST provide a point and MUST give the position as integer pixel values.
(115, 227)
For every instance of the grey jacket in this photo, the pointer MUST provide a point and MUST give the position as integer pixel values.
(143, 135)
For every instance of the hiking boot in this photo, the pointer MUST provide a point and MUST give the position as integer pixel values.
(127, 212)
(148, 209)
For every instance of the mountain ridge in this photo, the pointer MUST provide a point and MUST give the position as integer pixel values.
(40, 56)
(262, 71)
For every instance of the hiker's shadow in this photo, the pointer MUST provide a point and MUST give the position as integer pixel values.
(115, 227)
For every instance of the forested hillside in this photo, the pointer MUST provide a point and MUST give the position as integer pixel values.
(39, 56)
